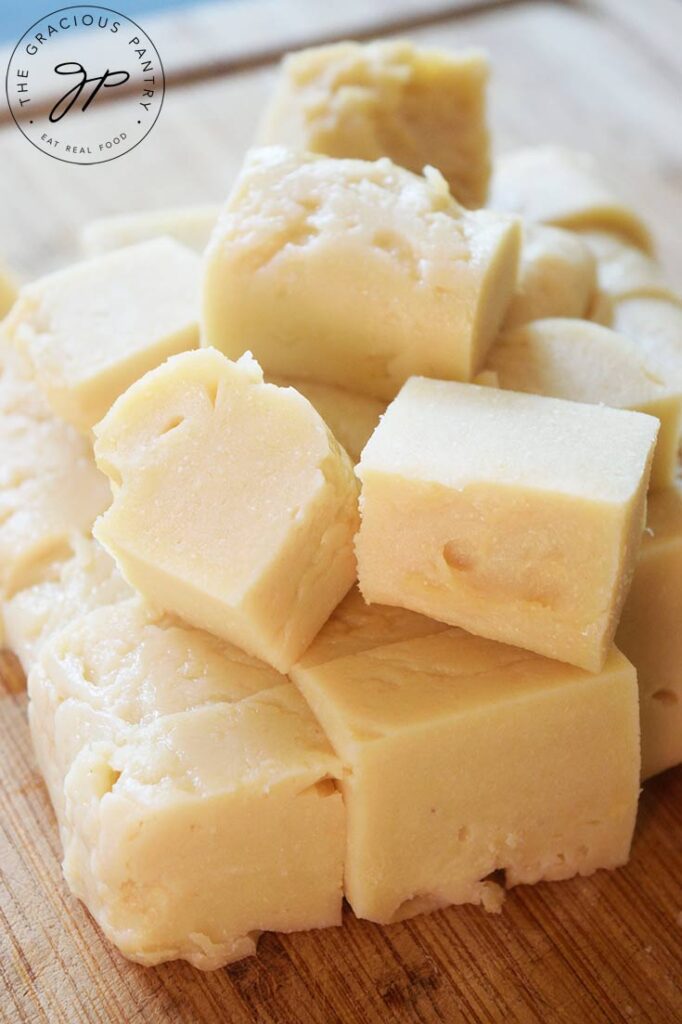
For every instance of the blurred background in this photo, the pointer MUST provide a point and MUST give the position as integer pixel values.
(16, 17)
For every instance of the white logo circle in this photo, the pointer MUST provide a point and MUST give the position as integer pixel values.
(85, 84)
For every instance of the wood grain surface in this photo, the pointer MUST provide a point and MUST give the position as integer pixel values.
(604, 76)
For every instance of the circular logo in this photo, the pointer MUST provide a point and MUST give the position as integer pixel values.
(85, 84)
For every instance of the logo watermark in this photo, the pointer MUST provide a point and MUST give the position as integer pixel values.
(67, 66)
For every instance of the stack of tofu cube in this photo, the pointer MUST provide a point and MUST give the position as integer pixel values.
(345, 560)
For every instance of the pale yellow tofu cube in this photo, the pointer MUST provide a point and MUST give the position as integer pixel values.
(562, 187)
(368, 100)
(352, 418)
(649, 632)
(92, 329)
(583, 362)
(557, 276)
(234, 507)
(516, 517)
(189, 225)
(465, 757)
(655, 326)
(355, 274)
(623, 270)
(49, 484)
(196, 794)
(85, 579)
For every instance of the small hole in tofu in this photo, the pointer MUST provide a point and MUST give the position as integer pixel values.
(456, 558)
(172, 424)
(105, 779)
(310, 203)
(667, 697)
(212, 393)
(498, 877)
(302, 234)
(394, 244)
(325, 787)
(322, 788)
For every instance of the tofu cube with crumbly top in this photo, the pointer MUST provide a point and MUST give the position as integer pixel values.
(415, 105)
(355, 274)
(195, 792)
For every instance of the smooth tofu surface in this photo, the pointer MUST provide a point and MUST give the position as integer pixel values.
(234, 507)
(557, 276)
(328, 270)
(583, 362)
(189, 225)
(560, 186)
(351, 417)
(86, 579)
(49, 484)
(369, 100)
(463, 757)
(649, 632)
(623, 270)
(655, 327)
(514, 516)
(92, 329)
(165, 750)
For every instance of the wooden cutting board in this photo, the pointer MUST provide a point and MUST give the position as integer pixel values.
(603, 76)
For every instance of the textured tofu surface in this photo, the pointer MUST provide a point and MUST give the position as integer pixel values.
(49, 485)
(463, 757)
(328, 270)
(583, 362)
(194, 790)
(70, 587)
(368, 100)
(560, 186)
(649, 632)
(92, 329)
(514, 516)
(234, 506)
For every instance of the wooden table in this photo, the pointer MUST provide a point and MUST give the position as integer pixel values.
(601, 75)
